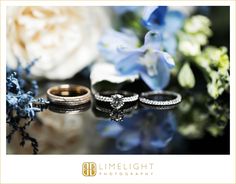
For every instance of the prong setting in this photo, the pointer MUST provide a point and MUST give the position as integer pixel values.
(117, 101)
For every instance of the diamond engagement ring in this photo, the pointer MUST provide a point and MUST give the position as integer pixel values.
(117, 99)
(160, 98)
(68, 95)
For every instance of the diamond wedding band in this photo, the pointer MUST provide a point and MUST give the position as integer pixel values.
(68, 95)
(117, 99)
(160, 98)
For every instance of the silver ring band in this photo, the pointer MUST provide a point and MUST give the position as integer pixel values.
(68, 95)
(160, 98)
(116, 98)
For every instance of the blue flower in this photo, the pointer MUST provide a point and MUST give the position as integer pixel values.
(113, 40)
(166, 22)
(149, 61)
(154, 17)
(22, 104)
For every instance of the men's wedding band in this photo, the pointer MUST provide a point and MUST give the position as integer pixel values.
(160, 98)
(68, 95)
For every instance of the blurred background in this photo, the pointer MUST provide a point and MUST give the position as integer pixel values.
(92, 46)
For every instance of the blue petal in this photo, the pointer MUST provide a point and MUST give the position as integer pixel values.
(113, 40)
(170, 44)
(174, 21)
(161, 79)
(11, 99)
(128, 140)
(109, 129)
(148, 11)
(153, 39)
(167, 58)
(129, 64)
(154, 17)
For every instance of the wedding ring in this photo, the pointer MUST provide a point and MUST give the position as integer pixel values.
(160, 98)
(117, 99)
(68, 95)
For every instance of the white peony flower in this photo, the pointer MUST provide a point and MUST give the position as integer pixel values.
(64, 38)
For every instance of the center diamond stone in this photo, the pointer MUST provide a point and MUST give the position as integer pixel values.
(117, 101)
(117, 115)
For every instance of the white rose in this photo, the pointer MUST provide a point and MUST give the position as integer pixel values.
(64, 38)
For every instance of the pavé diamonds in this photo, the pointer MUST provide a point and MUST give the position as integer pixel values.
(102, 98)
(144, 98)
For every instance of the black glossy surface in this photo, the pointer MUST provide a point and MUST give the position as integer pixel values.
(97, 128)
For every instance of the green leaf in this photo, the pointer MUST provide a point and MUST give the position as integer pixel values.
(186, 77)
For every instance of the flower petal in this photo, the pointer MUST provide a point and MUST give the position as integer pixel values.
(148, 11)
(174, 21)
(186, 77)
(154, 17)
(168, 59)
(161, 79)
(153, 39)
(112, 40)
(130, 64)
(170, 44)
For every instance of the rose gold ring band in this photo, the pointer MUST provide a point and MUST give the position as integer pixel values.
(69, 95)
